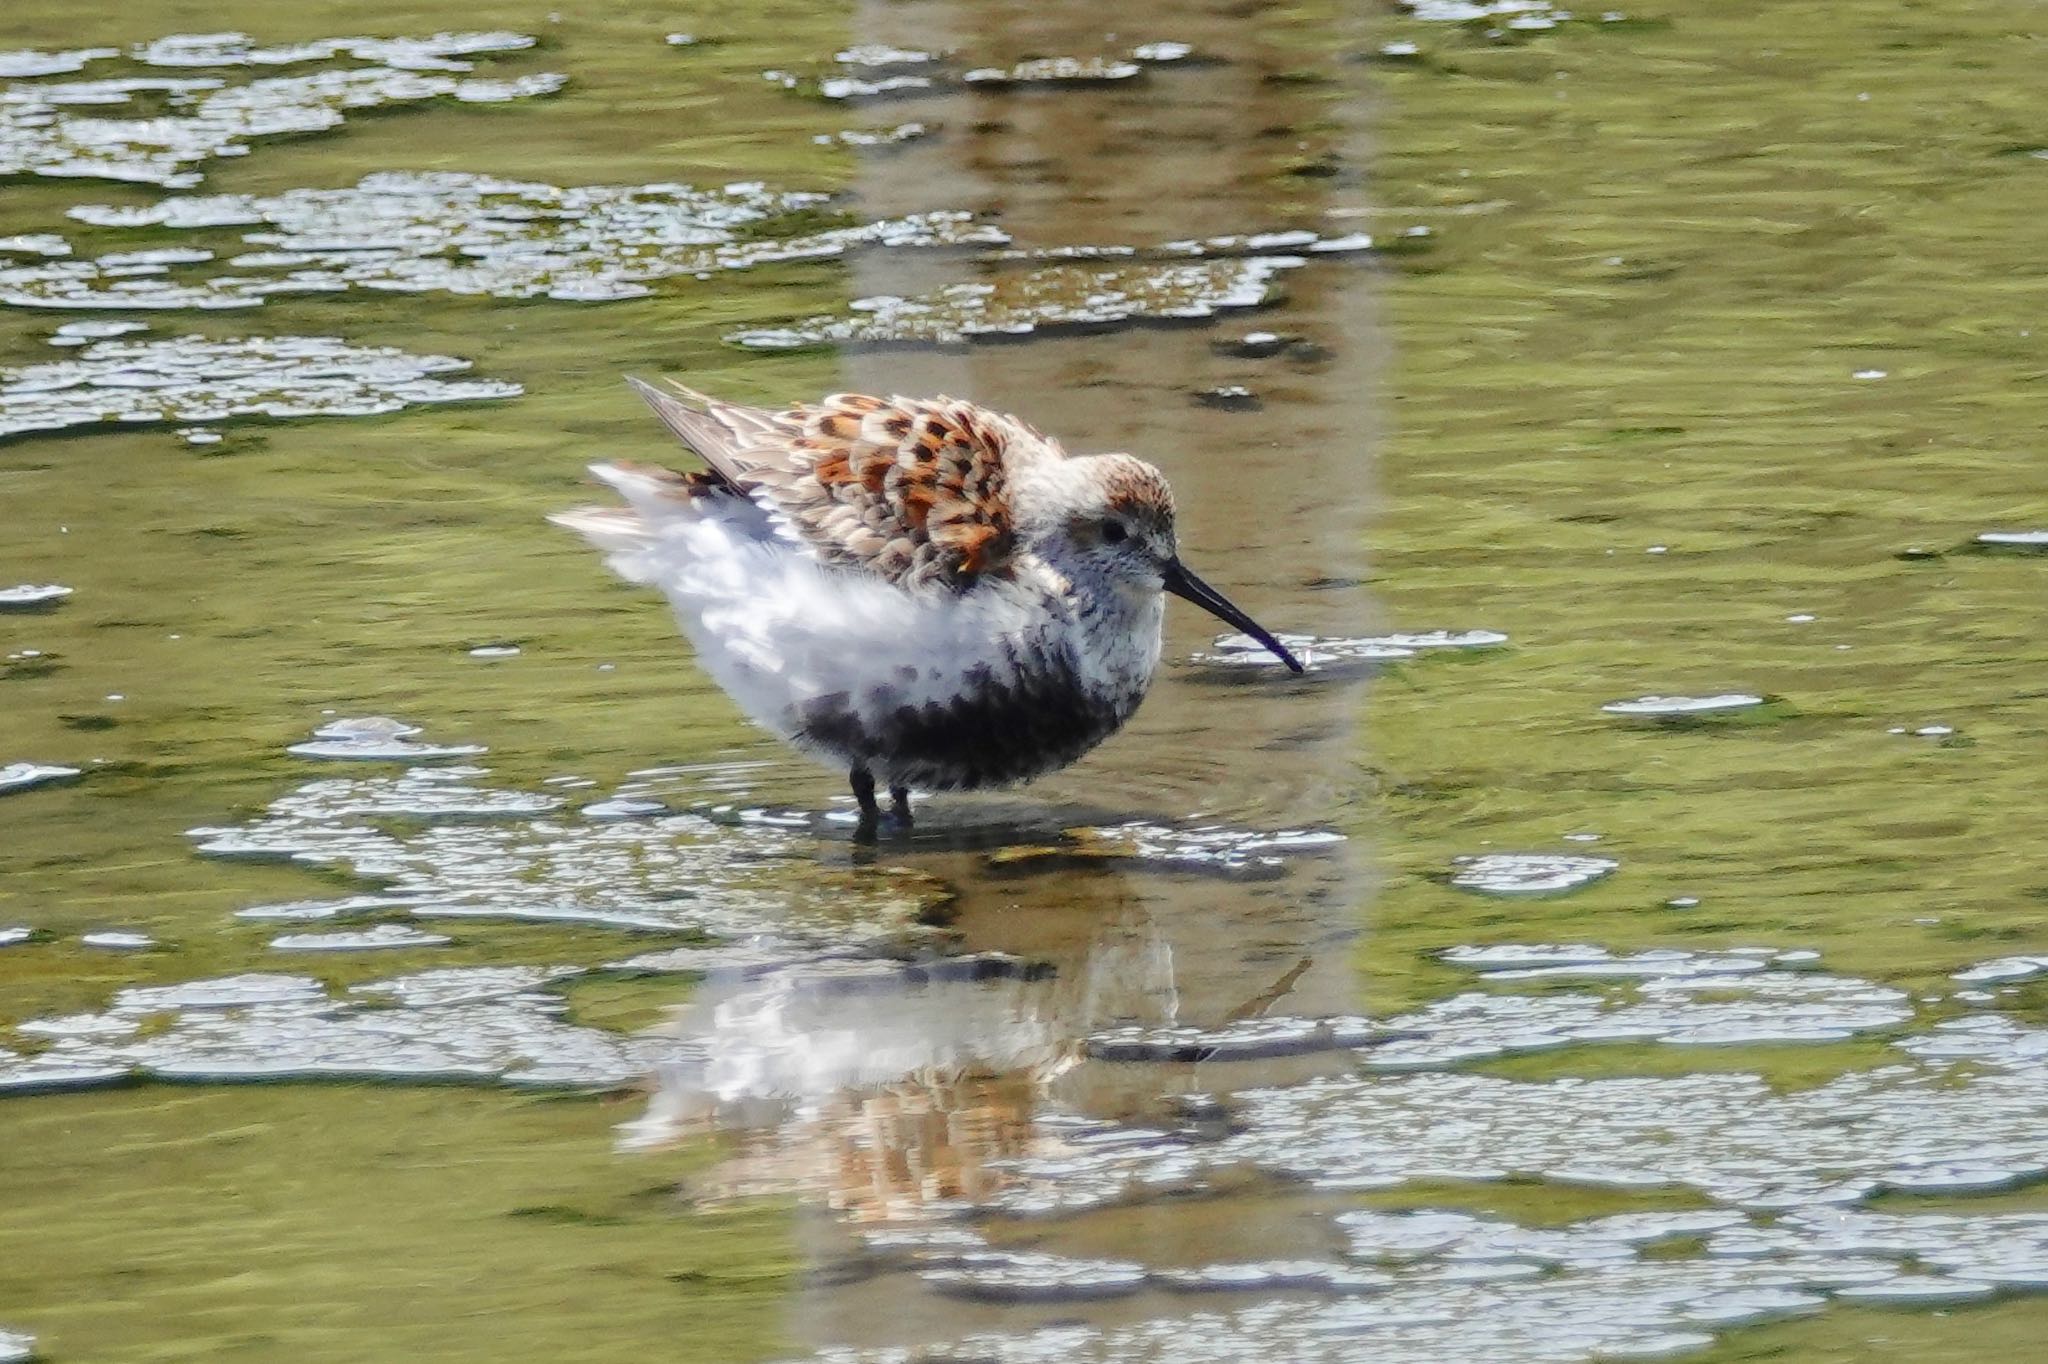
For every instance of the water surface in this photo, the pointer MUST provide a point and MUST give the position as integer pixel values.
(1625, 939)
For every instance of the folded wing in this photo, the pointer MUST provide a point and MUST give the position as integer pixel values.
(913, 490)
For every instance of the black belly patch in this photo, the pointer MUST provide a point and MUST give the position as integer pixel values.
(993, 734)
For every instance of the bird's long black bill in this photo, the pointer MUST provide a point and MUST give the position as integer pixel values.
(1185, 585)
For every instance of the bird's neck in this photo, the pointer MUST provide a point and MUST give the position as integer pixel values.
(1115, 636)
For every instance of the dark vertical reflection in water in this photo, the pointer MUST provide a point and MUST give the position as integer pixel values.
(1273, 504)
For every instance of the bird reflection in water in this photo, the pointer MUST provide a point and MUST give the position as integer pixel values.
(891, 1090)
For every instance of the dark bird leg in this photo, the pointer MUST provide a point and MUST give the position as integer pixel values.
(864, 793)
(899, 806)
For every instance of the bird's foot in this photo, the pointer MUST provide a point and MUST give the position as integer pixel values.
(863, 783)
(872, 821)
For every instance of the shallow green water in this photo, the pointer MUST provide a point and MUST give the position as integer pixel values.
(1664, 254)
(1660, 253)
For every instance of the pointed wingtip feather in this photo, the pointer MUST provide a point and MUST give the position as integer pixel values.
(693, 426)
(666, 392)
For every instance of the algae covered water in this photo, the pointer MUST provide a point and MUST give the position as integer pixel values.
(1625, 940)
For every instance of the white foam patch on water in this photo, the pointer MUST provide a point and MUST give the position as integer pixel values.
(22, 776)
(1316, 653)
(28, 63)
(1055, 299)
(15, 933)
(1245, 1039)
(430, 1026)
(444, 986)
(459, 233)
(1259, 244)
(1527, 15)
(117, 941)
(467, 850)
(1705, 1009)
(2004, 971)
(1993, 1039)
(81, 1025)
(861, 87)
(496, 1024)
(93, 329)
(735, 961)
(1655, 706)
(1268, 1276)
(435, 52)
(16, 1347)
(1007, 1276)
(875, 56)
(1528, 873)
(1225, 246)
(863, 139)
(2015, 539)
(1320, 652)
(34, 244)
(379, 738)
(874, 71)
(352, 907)
(31, 595)
(1529, 961)
(224, 992)
(2000, 1249)
(207, 117)
(1054, 71)
(1921, 1289)
(192, 378)
(1446, 639)
(1206, 848)
(382, 937)
(1399, 1237)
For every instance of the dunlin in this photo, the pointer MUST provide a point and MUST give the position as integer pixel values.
(919, 592)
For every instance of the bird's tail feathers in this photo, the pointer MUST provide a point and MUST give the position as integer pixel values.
(622, 533)
(656, 493)
(609, 528)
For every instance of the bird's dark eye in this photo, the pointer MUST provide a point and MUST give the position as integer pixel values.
(1113, 532)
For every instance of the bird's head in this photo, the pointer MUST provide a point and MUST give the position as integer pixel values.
(1107, 521)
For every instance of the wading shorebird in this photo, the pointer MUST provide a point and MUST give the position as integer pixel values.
(919, 592)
